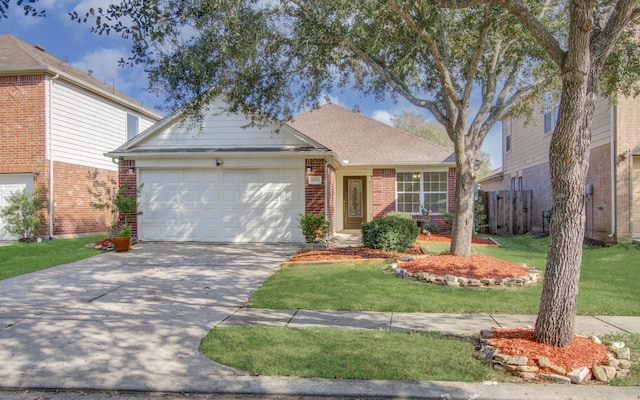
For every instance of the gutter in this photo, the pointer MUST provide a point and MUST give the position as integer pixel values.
(49, 133)
(613, 172)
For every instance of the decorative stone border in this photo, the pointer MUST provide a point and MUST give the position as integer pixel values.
(616, 366)
(533, 276)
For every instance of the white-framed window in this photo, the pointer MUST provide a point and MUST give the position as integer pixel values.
(429, 189)
(507, 135)
(133, 126)
(519, 183)
(550, 120)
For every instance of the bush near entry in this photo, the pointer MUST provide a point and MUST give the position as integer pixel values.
(393, 232)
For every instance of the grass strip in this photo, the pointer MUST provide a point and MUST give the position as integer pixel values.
(605, 287)
(22, 258)
(346, 354)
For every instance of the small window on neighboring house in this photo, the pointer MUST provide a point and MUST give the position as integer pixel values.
(513, 183)
(507, 135)
(550, 120)
(519, 183)
(133, 126)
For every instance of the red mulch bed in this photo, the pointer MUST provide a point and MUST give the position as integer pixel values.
(439, 237)
(514, 342)
(350, 253)
(476, 266)
(581, 352)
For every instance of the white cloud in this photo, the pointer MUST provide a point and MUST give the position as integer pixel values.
(383, 116)
(103, 62)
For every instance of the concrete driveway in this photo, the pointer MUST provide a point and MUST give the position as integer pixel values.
(127, 321)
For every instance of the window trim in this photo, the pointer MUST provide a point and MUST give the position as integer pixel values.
(422, 192)
(137, 127)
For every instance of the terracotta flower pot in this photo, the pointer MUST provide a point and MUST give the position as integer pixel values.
(121, 243)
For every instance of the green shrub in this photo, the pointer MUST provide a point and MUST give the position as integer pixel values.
(21, 214)
(398, 214)
(314, 227)
(432, 228)
(390, 233)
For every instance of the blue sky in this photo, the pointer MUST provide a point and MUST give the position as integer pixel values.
(72, 42)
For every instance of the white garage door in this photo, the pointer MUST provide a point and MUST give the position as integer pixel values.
(10, 183)
(221, 205)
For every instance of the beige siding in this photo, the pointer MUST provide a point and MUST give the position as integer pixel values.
(601, 124)
(636, 199)
(219, 129)
(84, 127)
(529, 145)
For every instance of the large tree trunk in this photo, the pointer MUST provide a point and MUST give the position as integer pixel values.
(568, 159)
(462, 229)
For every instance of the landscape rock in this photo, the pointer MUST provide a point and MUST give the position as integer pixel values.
(556, 378)
(486, 354)
(517, 361)
(610, 371)
(557, 370)
(596, 339)
(622, 353)
(600, 374)
(578, 375)
(544, 362)
(624, 364)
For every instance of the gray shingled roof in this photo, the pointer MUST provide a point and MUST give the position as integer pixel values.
(360, 140)
(18, 56)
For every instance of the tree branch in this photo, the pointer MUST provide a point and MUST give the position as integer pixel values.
(477, 56)
(438, 58)
(522, 14)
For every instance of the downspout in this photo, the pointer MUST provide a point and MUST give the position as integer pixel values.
(613, 173)
(49, 132)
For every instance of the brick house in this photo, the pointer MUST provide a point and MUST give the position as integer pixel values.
(612, 192)
(226, 182)
(56, 123)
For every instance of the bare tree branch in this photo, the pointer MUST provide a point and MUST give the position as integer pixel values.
(439, 60)
(522, 14)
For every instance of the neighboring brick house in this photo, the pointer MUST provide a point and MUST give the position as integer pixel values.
(56, 123)
(233, 183)
(613, 181)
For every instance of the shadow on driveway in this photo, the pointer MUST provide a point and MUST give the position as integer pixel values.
(127, 321)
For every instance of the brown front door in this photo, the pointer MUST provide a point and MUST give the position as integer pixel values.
(354, 207)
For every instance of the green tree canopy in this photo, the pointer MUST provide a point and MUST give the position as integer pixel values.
(271, 59)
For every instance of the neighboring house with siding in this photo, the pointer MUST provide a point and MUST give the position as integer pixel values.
(225, 182)
(56, 123)
(612, 203)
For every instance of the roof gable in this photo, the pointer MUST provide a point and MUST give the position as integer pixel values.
(19, 57)
(219, 130)
(360, 140)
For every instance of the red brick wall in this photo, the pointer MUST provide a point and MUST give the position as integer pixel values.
(72, 212)
(384, 191)
(128, 178)
(314, 194)
(22, 130)
(331, 197)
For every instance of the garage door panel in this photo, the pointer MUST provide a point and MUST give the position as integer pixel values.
(222, 205)
(9, 184)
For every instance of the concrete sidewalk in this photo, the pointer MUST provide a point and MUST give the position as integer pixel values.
(128, 325)
(446, 323)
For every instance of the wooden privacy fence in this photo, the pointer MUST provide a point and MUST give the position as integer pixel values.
(508, 211)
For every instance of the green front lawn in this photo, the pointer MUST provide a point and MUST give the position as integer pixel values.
(23, 258)
(344, 354)
(607, 285)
